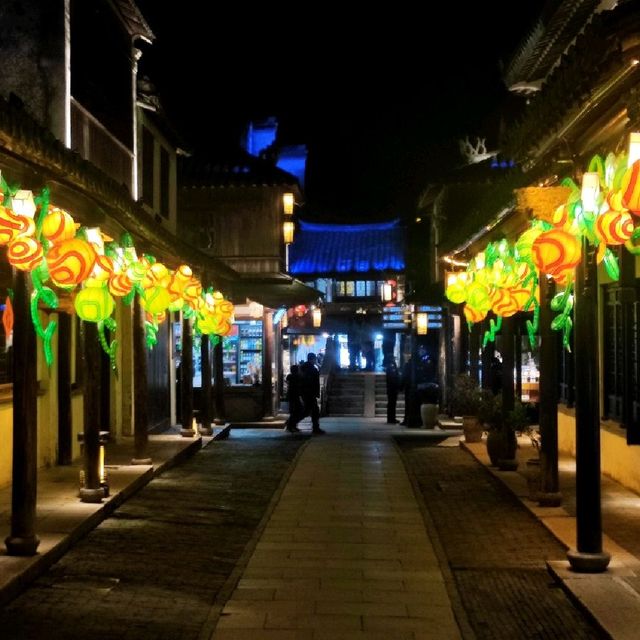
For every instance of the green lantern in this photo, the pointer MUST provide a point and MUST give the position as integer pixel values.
(156, 300)
(94, 304)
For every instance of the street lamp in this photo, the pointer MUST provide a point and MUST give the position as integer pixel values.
(287, 203)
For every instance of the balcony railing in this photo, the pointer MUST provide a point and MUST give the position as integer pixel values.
(94, 143)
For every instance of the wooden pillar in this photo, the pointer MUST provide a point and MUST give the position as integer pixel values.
(589, 556)
(205, 408)
(22, 540)
(549, 491)
(218, 376)
(140, 387)
(92, 491)
(267, 360)
(64, 389)
(487, 357)
(474, 351)
(627, 300)
(186, 380)
(508, 360)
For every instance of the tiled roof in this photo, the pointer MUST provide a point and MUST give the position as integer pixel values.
(347, 248)
(134, 20)
(239, 169)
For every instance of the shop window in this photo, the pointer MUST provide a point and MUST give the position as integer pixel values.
(350, 288)
(361, 290)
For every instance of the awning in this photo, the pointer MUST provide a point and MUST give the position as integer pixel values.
(274, 290)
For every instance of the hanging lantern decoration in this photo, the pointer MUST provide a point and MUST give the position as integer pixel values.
(503, 303)
(94, 304)
(456, 287)
(120, 284)
(25, 253)
(422, 323)
(473, 315)
(630, 188)
(524, 243)
(287, 231)
(287, 203)
(316, 314)
(192, 291)
(614, 227)
(58, 226)
(12, 226)
(23, 204)
(556, 251)
(157, 275)
(478, 297)
(155, 300)
(70, 262)
(180, 279)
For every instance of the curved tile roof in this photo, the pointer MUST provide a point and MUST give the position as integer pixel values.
(347, 248)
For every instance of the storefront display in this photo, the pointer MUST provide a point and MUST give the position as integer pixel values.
(242, 353)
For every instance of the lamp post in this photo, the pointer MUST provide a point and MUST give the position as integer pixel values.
(589, 556)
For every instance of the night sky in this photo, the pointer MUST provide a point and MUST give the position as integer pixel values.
(380, 98)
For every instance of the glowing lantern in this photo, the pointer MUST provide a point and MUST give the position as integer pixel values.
(555, 251)
(478, 297)
(102, 268)
(561, 216)
(23, 204)
(120, 284)
(456, 287)
(521, 296)
(192, 291)
(525, 242)
(317, 317)
(180, 279)
(225, 308)
(614, 200)
(25, 253)
(473, 315)
(138, 269)
(176, 304)
(630, 188)
(503, 303)
(58, 226)
(71, 262)
(422, 323)
(94, 304)
(156, 300)
(614, 227)
(590, 191)
(12, 226)
(7, 320)
(287, 203)
(287, 232)
(157, 275)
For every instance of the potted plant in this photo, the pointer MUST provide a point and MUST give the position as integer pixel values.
(501, 441)
(466, 400)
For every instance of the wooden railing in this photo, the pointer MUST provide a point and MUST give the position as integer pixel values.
(91, 139)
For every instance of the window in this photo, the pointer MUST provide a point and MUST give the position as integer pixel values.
(361, 290)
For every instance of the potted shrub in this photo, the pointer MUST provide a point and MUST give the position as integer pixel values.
(501, 441)
(466, 400)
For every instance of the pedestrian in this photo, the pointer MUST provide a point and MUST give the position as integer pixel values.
(392, 378)
(296, 408)
(310, 391)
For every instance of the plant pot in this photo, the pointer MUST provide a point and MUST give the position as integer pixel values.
(501, 447)
(429, 415)
(533, 478)
(472, 429)
(494, 446)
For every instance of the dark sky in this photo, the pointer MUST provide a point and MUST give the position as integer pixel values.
(378, 96)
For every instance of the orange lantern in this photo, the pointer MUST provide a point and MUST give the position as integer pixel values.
(71, 262)
(192, 291)
(614, 227)
(155, 300)
(180, 279)
(473, 315)
(58, 226)
(25, 253)
(13, 225)
(478, 297)
(503, 303)
(630, 188)
(555, 251)
(94, 304)
(157, 275)
(119, 284)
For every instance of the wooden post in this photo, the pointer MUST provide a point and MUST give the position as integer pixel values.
(549, 492)
(64, 389)
(22, 540)
(92, 491)
(218, 375)
(508, 359)
(589, 556)
(205, 408)
(474, 351)
(140, 391)
(186, 380)
(487, 357)
(627, 300)
(267, 359)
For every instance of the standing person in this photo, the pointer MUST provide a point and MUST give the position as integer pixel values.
(296, 409)
(310, 391)
(393, 385)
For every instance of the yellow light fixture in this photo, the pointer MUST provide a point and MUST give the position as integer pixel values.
(387, 292)
(634, 147)
(287, 203)
(422, 323)
(590, 191)
(317, 317)
(287, 230)
(103, 476)
(22, 203)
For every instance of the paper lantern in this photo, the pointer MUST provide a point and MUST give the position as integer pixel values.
(561, 216)
(192, 291)
(58, 226)
(102, 268)
(525, 242)
(120, 284)
(94, 304)
(13, 225)
(503, 303)
(155, 300)
(138, 269)
(180, 279)
(630, 188)
(473, 315)
(614, 227)
(25, 253)
(176, 304)
(70, 262)
(478, 297)
(522, 296)
(456, 292)
(157, 275)
(224, 308)
(614, 200)
(555, 251)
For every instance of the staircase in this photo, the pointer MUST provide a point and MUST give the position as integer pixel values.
(346, 396)
(381, 399)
